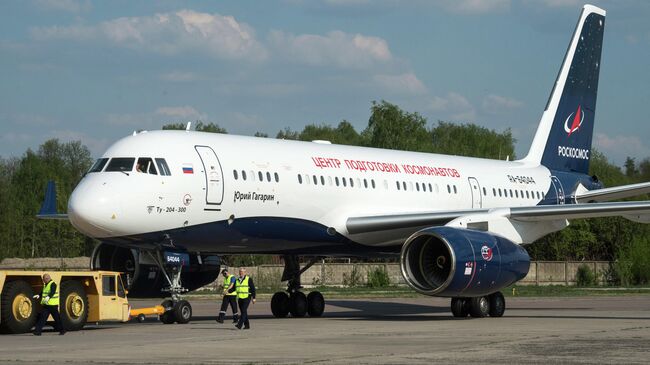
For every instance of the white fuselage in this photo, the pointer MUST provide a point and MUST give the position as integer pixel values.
(316, 182)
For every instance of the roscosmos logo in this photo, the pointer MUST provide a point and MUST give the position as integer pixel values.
(578, 118)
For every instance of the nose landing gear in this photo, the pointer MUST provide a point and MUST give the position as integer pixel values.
(293, 301)
(171, 264)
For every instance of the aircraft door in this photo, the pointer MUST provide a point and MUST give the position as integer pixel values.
(477, 199)
(213, 175)
(559, 190)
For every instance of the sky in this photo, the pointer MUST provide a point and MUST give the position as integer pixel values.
(96, 71)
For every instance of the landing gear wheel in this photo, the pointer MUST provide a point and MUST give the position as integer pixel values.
(497, 304)
(479, 307)
(280, 304)
(73, 306)
(18, 314)
(459, 307)
(315, 304)
(183, 312)
(168, 317)
(298, 307)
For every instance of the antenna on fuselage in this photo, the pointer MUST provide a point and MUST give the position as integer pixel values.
(189, 125)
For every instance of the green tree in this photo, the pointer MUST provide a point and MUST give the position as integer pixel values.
(630, 167)
(472, 140)
(199, 126)
(392, 128)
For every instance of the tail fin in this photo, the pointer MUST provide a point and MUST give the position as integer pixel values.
(48, 208)
(563, 138)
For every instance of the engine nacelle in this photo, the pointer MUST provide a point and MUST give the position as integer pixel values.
(456, 262)
(143, 278)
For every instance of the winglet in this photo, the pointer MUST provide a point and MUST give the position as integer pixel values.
(48, 209)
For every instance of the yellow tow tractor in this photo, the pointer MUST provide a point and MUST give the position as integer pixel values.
(85, 296)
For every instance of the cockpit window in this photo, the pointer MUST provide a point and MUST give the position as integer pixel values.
(145, 165)
(162, 167)
(121, 164)
(98, 165)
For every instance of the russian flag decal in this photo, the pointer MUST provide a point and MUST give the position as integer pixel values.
(188, 169)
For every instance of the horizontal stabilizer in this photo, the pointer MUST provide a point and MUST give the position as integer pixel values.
(614, 193)
(48, 209)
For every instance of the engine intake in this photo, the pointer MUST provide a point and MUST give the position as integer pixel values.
(455, 262)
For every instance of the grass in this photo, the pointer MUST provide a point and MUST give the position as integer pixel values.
(406, 292)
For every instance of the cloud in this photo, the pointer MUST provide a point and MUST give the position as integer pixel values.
(71, 6)
(406, 83)
(178, 76)
(621, 146)
(180, 112)
(97, 146)
(476, 6)
(185, 31)
(453, 105)
(497, 104)
(336, 48)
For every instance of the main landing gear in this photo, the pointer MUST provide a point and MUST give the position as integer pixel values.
(177, 310)
(493, 305)
(293, 300)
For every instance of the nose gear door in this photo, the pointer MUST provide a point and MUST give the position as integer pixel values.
(213, 175)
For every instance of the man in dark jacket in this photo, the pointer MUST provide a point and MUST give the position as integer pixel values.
(245, 292)
(50, 302)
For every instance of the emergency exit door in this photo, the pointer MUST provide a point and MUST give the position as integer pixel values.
(477, 199)
(213, 175)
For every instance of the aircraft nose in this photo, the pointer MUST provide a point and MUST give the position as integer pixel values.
(91, 211)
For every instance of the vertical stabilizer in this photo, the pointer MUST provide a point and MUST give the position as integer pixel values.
(563, 139)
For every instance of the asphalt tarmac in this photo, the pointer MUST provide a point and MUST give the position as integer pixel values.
(376, 331)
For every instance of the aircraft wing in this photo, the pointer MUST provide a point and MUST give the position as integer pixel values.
(614, 193)
(637, 211)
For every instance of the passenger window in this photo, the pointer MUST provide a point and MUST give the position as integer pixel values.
(404, 185)
(430, 189)
(397, 183)
(484, 192)
(162, 167)
(121, 164)
(145, 165)
(234, 174)
(299, 179)
(260, 177)
(315, 180)
(268, 176)
(373, 183)
(455, 190)
(448, 189)
(322, 180)
(494, 192)
(336, 179)
(108, 285)
(277, 177)
(98, 166)
(516, 194)
(344, 181)
(417, 186)
(351, 183)
(243, 175)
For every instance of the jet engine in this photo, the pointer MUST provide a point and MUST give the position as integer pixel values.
(456, 262)
(143, 277)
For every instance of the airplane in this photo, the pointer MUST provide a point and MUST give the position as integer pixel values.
(158, 199)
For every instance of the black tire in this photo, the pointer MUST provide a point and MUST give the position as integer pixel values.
(183, 312)
(298, 307)
(479, 307)
(168, 317)
(497, 304)
(280, 304)
(141, 318)
(19, 312)
(315, 304)
(459, 307)
(73, 305)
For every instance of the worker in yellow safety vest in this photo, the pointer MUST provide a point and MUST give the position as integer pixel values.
(50, 302)
(229, 297)
(245, 292)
